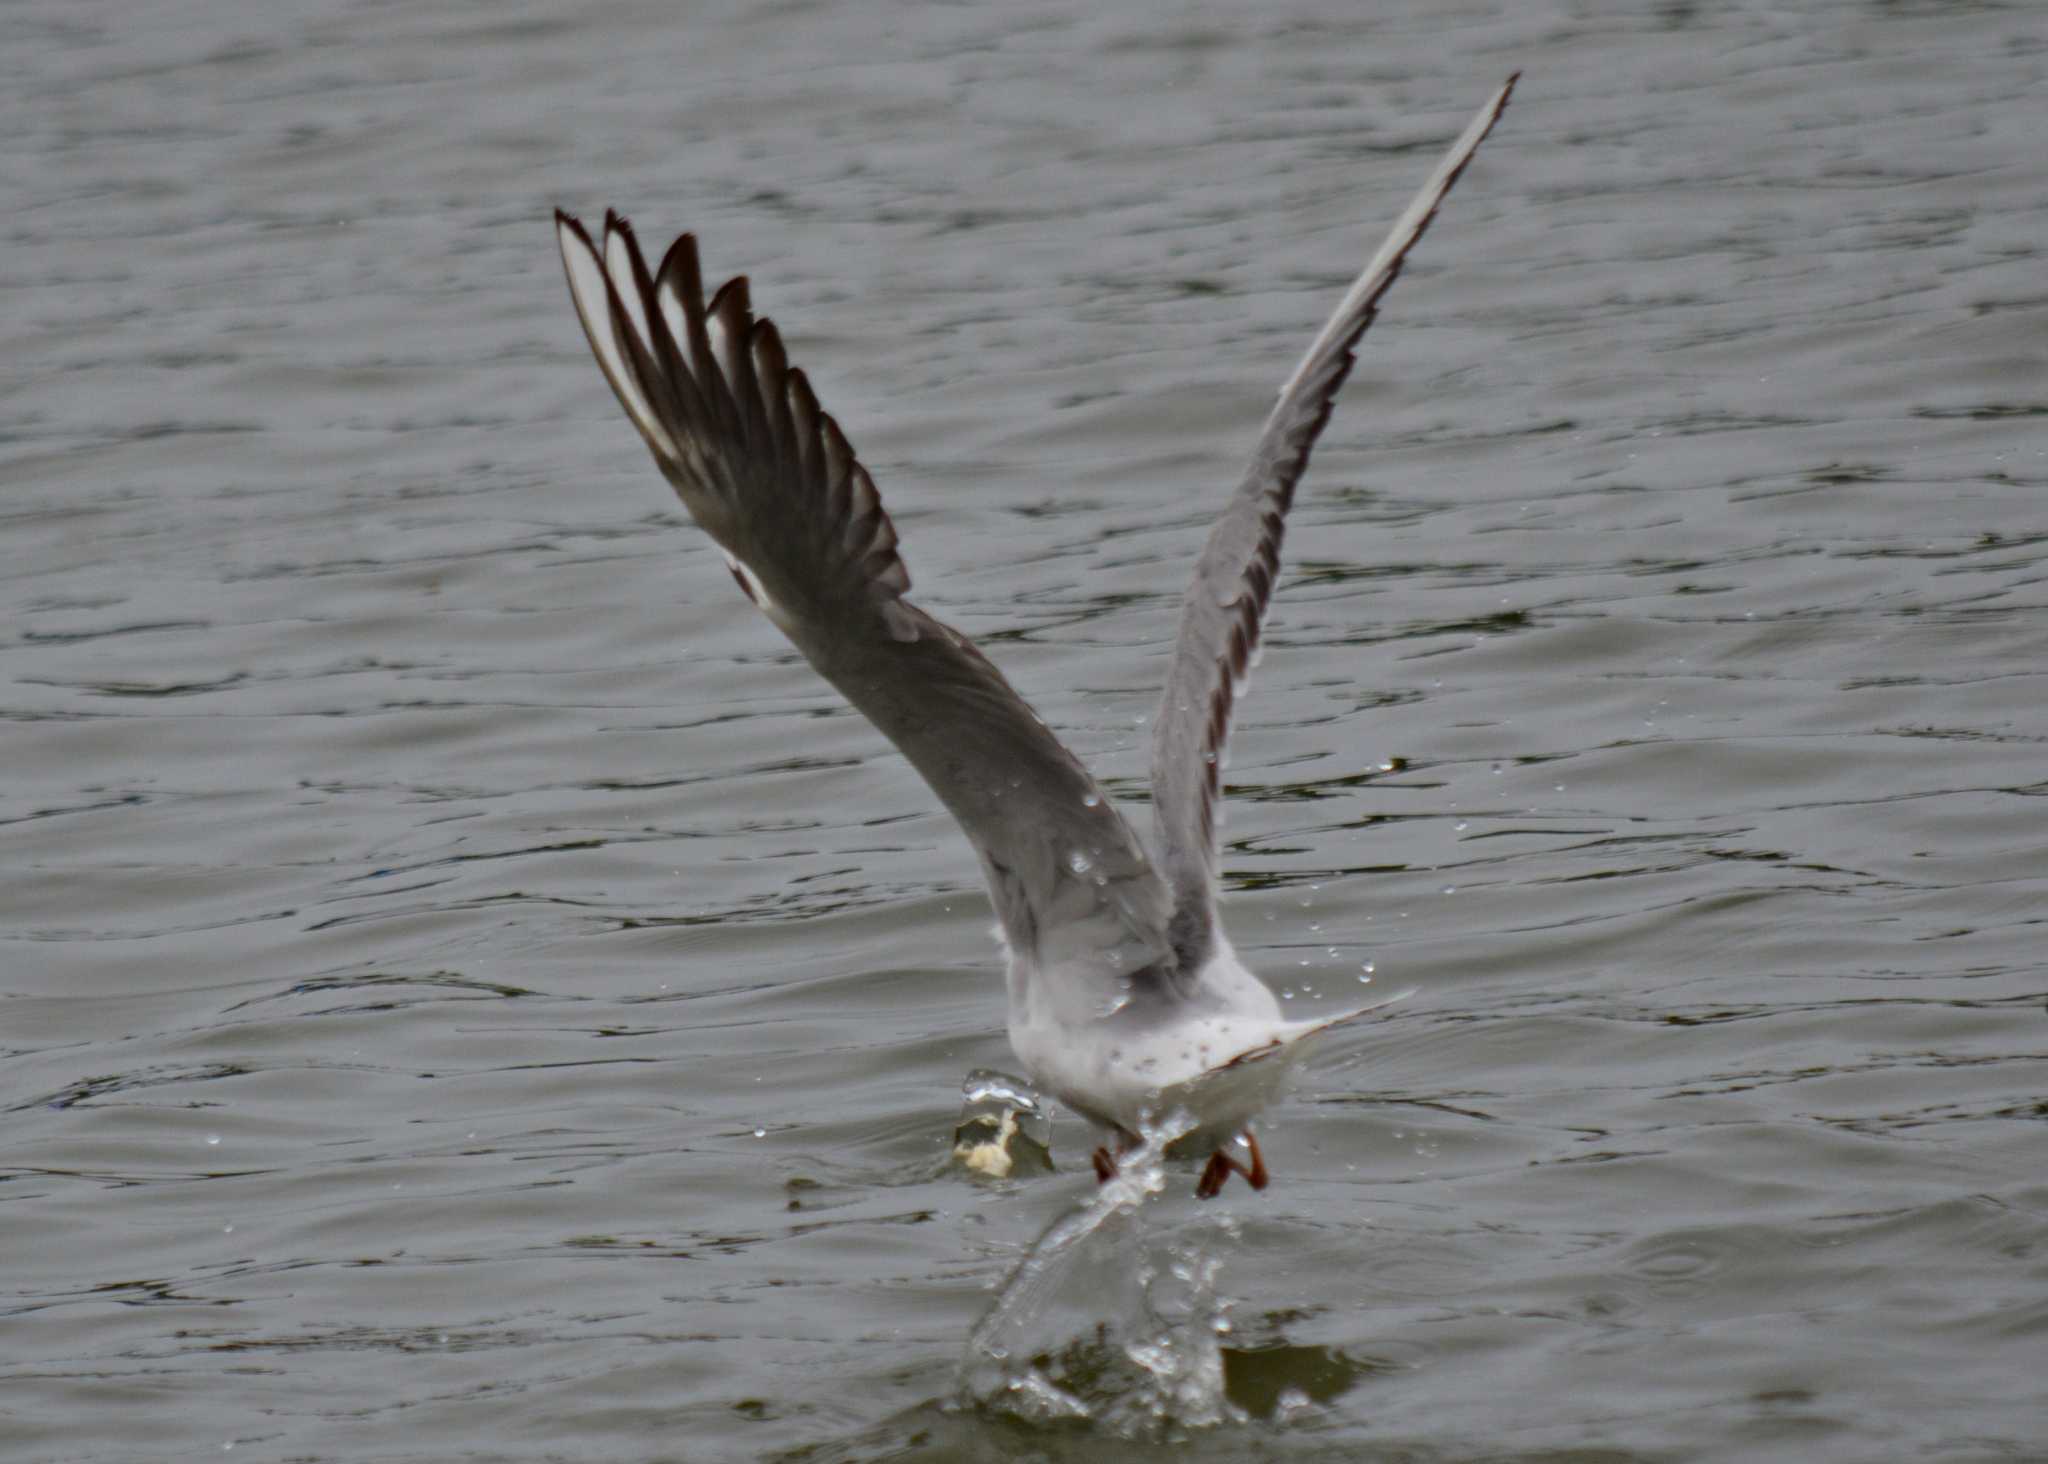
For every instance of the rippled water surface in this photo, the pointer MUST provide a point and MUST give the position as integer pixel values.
(470, 992)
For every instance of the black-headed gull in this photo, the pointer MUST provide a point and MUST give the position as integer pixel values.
(1126, 1000)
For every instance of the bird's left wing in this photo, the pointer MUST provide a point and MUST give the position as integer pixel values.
(769, 476)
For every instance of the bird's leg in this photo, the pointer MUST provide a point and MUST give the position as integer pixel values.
(1222, 1165)
(1105, 1162)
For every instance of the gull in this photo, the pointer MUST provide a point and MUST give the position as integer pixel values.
(1126, 1001)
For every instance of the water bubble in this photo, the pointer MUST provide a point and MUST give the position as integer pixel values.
(1292, 1404)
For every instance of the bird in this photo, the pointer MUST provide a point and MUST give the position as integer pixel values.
(1127, 1001)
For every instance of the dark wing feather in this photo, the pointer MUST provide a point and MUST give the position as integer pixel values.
(1225, 607)
(768, 474)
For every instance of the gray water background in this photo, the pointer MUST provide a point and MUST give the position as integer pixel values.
(469, 992)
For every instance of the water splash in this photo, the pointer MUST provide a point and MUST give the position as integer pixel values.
(1002, 1132)
(1138, 1349)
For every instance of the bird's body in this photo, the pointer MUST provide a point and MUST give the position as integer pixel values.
(1126, 999)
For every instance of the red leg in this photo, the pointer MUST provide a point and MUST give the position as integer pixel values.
(1222, 1165)
(1105, 1162)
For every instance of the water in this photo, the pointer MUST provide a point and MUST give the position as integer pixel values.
(468, 992)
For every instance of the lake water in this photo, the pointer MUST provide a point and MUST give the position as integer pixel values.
(470, 992)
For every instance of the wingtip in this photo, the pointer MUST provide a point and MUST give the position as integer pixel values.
(567, 224)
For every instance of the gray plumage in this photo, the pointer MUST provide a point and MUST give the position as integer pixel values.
(1124, 991)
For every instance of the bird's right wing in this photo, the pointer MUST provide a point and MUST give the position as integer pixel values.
(1225, 607)
(771, 478)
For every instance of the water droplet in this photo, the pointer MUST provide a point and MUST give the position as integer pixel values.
(1450, 889)
(227, 1230)
(1091, 800)
(760, 1133)
(1080, 863)
(1460, 826)
(1368, 968)
(213, 1141)
(1387, 766)
(1287, 993)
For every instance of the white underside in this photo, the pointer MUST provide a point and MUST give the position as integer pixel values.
(1222, 1055)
